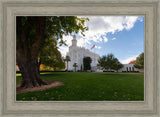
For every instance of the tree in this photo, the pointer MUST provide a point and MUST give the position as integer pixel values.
(106, 62)
(117, 65)
(139, 63)
(87, 63)
(102, 62)
(67, 59)
(109, 62)
(31, 35)
(75, 65)
(50, 55)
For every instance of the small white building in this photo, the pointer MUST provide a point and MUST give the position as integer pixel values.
(77, 54)
(129, 68)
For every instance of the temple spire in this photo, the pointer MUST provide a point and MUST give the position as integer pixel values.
(74, 41)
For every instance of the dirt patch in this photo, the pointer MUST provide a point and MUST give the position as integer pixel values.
(43, 87)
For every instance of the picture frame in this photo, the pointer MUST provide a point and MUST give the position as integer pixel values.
(10, 9)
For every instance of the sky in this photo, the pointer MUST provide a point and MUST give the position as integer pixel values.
(122, 36)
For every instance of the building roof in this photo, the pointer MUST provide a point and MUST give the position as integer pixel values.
(132, 62)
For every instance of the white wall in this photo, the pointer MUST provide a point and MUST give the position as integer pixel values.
(77, 54)
(130, 67)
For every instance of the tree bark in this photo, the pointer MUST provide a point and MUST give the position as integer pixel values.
(30, 74)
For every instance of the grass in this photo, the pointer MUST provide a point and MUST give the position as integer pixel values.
(89, 87)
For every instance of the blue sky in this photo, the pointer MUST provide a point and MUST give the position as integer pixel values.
(121, 35)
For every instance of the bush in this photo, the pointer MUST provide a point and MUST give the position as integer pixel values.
(70, 70)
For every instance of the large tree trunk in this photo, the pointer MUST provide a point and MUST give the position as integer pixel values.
(30, 74)
(27, 52)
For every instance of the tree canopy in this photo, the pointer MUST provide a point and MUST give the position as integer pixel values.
(116, 64)
(109, 62)
(87, 63)
(35, 30)
(139, 63)
(50, 55)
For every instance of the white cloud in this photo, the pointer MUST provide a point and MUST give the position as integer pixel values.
(105, 39)
(99, 26)
(127, 60)
(113, 38)
(98, 47)
(129, 22)
(63, 49)
(140, 18)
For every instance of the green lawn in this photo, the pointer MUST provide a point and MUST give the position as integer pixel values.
(89, 87)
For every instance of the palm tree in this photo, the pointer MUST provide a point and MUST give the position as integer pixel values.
(67, 59)
(75, 65)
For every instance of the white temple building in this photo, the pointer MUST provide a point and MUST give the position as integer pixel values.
(77, 54)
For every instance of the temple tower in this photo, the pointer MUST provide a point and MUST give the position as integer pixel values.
(74, 41)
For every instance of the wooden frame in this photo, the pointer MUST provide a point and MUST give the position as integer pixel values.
(149, 9)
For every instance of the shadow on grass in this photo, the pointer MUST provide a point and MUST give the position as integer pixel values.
(53, 75)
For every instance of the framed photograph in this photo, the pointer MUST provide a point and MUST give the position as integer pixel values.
(131, 84)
